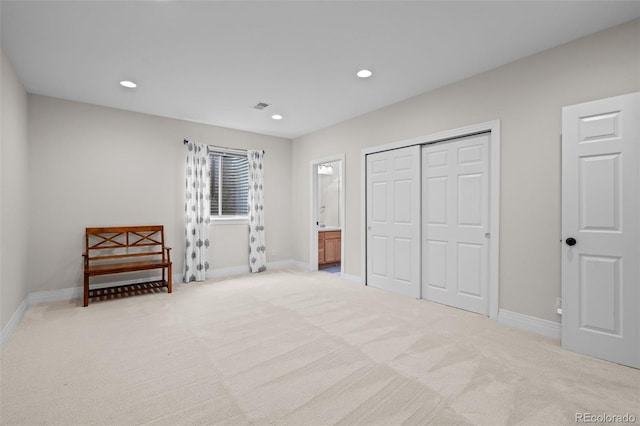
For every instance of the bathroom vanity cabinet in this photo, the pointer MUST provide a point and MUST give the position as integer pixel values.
(329, 248)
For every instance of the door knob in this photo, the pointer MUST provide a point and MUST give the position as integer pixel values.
(571, 241)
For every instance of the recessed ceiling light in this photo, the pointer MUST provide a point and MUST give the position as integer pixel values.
(128, 84)
(364, 73)
(277, 117)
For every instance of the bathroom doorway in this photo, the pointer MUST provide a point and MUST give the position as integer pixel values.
(327, 215)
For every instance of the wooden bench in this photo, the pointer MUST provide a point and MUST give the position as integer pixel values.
(120, 249)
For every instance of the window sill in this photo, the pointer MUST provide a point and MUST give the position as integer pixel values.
(229, 220)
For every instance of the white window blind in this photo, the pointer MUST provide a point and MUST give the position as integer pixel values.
(229, 183)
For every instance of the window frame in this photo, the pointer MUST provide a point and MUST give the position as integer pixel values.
(222, 219)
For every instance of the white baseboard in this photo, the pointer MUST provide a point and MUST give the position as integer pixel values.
(528, 323)
(71, 293)
(33, 299)
(14, 321)
(300, 265)
(57, 295)
(354, 278)
(240, 270)
(287, 264)
(227, 272)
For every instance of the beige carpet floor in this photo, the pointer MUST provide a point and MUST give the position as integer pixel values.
(294, 348)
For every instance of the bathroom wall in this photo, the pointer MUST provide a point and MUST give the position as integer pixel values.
(329, 196)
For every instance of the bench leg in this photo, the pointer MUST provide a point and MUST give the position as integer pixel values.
(86, 290)
(169, 278)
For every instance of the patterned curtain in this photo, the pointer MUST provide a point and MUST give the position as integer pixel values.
(196, 213)
(257, 249)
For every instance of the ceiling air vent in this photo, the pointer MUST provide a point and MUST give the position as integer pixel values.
(260, 105)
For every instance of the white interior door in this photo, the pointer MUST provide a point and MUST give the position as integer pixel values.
(601, 229)
(455, 218)
(393, 220)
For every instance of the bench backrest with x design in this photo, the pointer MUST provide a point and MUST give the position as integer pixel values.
(120, 249)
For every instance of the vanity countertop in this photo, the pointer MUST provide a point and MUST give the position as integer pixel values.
(329, 228)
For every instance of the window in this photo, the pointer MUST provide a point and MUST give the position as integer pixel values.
(229, 173)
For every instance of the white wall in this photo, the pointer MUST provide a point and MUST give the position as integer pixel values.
(97, 166)
(88, 165)
(14, 183)
(527, 96)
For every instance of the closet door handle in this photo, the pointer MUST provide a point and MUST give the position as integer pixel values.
(571, 241)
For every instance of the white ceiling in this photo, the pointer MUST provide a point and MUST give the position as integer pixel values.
(210, 62)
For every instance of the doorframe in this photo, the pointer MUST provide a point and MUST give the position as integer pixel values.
(492, 127)
(313, 211)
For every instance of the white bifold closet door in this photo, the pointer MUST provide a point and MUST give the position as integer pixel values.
(393, 220)
(455, 218)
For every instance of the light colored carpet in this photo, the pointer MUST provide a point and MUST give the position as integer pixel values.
(294, 348)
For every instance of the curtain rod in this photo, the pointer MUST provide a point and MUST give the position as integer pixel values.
(213, 148)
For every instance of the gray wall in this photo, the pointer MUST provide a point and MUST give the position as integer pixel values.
(86, 165)
(527, 96)
(97, 166)
(14, 182)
